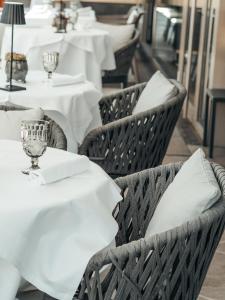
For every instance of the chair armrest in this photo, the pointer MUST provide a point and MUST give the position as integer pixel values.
(108, 260)
(120, 104)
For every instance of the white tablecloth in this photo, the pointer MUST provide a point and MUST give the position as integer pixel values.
(74, 107)
(88, 51)
(49, 232)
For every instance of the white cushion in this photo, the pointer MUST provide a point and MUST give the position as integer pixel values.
(119, 34)
(193, 191)
(157, 91)
(10, 121)
(133, 16)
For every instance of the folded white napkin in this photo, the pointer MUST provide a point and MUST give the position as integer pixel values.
(71, 165)
(67, 80)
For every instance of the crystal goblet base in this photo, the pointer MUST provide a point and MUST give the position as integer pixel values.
(34, 166)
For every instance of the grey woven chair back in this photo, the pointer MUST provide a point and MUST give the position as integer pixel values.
(123, 58)
(121, 104)
(131, 143)
(168, 266)
(124, 55)
(56, 139)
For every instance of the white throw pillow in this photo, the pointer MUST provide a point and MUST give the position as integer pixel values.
(119, 34)
(133, 16)
(157, 91)
(193, 191)
(10, 121)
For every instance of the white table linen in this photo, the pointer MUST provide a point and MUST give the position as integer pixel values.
(85, 51)
(49, 232)
(67, 80)
(74, 107)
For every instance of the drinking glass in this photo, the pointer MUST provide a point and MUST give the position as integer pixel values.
(50, 62)
(73, 18)
(34, 135)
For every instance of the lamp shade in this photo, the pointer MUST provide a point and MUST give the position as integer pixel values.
(13, 13)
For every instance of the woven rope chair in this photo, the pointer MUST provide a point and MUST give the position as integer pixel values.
(168, 266)
(127, 143)
(56, 138)
(123, 58)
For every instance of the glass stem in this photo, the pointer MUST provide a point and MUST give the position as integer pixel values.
(34, 163)
(49, 75)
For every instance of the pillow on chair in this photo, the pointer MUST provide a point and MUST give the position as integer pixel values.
(120, 34)
(157, 91)
(193, 191)
(10, 121)
(133, 16)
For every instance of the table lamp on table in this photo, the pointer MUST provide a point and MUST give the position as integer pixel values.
(13, 13)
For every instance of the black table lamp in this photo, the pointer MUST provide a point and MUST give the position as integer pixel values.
(13, 13)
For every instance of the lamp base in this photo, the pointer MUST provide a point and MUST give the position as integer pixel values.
(12, 88)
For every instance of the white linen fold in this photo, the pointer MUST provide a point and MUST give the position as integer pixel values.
(67, 80)
(72, 165)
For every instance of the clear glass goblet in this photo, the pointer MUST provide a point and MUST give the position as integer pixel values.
(73, 19)
(50, 62)
(34, 135)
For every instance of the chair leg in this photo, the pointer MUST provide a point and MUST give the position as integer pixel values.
(205, 136)
(212, 129)
(125, 81)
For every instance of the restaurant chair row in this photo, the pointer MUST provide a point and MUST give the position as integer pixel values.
(168, 265)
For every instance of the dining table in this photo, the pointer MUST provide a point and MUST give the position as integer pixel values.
(87, 50)
(74, 106)
(50, 231)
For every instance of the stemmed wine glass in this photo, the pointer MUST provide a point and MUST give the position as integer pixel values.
(34, 135)
(73, 18)
(50, 62)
